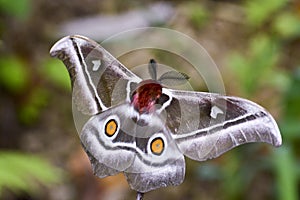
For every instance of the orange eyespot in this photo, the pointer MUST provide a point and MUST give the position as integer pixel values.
(111, 127)
(157, 146)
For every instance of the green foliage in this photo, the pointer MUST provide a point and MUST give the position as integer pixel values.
(258, 12)
(287, 24)
(284, 160)
(19, 9)
(23, 172)
(38, 98)
(55, 71)
(197, 14)
(13, 74)
(256, 66)
(290, 123)
(232, 177)
(30, 111)
(15, 78)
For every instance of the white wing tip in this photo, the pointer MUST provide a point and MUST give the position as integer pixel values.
(64, 43)
(59, 45)
(277, 139)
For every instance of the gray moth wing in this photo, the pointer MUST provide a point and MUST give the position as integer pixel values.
(98, 168)
(99, 80)
(152, 170)
(146, 154)
(206, 125)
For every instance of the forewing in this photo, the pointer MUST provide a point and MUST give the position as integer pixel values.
(98, 79)
(206, 125)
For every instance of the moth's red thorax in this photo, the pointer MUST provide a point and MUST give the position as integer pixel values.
(146, 95)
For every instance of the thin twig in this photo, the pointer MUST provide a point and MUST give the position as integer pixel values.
(139, 196)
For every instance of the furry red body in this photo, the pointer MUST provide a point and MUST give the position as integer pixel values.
(146, 95)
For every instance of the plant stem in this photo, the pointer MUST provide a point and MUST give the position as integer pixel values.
(139, 196)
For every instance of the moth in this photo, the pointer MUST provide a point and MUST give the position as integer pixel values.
(143, 128)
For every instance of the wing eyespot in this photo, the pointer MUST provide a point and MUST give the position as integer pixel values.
(157, 144)
(111, 127)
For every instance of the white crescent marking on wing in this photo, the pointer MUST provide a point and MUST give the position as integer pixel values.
(215, 111)
(97, 64)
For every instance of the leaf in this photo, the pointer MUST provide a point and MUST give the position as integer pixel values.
(292, 97)
(197, 13)
(264, 51)
(256, 66)
(22, 172)
(287, 25)
(258, 12)
(55, 71)
(31, 109)
(285, 171)
(13, 74)
(19, 9)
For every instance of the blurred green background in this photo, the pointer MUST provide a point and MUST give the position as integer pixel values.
(256, 45)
